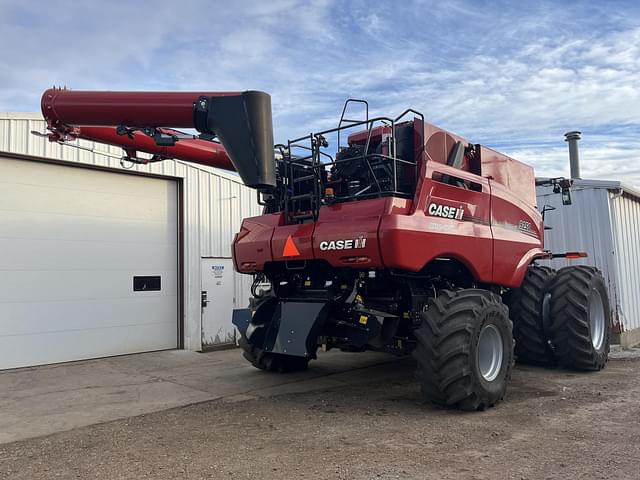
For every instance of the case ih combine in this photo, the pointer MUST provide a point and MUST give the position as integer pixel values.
(401, 237)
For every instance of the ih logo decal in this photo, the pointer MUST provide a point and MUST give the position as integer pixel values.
(290, 249)
(346, 244)
(445, 211)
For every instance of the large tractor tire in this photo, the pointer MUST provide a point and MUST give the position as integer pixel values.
(580, 326)
(464, 349)
(529, 311)
(271, 362)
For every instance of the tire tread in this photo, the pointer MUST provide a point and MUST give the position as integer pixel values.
(525, 308)
(444, 350)
(570, 331)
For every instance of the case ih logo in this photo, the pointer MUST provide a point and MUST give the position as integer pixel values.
(445, 211)
(350, 243)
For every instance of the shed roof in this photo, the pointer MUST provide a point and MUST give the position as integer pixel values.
(597, 184)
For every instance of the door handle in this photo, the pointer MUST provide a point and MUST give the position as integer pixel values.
(203, 298)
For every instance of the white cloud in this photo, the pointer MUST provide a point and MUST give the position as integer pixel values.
(511, 78)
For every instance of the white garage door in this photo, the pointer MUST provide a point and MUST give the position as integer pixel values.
(71, 242)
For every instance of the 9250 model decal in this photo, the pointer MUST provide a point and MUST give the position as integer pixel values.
(346, 244)
(526, 226)
(445, 211)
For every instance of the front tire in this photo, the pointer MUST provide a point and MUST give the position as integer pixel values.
(464, 349)
(580, 318)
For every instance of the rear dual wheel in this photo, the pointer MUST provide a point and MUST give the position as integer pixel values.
(529, 311)
(580, 318)
(561, 317)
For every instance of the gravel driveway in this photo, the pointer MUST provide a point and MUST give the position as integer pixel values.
(554, 424)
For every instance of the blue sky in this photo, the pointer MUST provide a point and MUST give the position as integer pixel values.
(511, 75)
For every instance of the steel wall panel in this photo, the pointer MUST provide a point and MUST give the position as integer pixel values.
(626, 229)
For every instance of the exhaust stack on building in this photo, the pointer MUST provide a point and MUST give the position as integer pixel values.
(574, 154)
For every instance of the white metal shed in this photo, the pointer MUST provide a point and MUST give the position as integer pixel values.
(604, 221)
(203, 207)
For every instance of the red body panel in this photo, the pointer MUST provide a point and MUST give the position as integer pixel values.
(252, 244)
(517, 232)
(411, 241)
(349, 221)
(511, 174)
(302, 237)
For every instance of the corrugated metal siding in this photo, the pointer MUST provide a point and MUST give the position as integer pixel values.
(625, 211)
(586, 226)
(214, 204)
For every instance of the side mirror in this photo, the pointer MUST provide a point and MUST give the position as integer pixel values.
(562, 185)
(565, 186)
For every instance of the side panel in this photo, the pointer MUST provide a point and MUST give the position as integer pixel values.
(516, 176)
(292, 242)
(518, 235)
(411, 241)
(347, 231)
(252, 244)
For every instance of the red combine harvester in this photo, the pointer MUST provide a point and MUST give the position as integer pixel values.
(406, 239)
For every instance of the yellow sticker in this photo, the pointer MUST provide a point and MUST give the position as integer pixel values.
(364, 319)
(307, 283)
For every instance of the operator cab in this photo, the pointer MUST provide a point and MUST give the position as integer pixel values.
(362, 171)
(380, 158)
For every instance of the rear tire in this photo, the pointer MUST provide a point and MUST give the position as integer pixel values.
(528, 309)
(580, 318)
(464, 349)
(271, 362)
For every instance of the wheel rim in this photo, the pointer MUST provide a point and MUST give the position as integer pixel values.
(490, 352)
(596, 319)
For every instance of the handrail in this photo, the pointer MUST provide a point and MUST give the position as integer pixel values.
(331, 130)
(382, 168)
(351, 122)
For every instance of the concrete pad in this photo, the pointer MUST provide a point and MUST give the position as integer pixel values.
(624, 353)
(39, 401)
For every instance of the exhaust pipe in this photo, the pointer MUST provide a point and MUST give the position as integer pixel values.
(574, 155)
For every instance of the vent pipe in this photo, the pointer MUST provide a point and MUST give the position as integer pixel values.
(574, 154)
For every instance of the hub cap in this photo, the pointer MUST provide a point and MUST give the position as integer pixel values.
(596, 319)
(490, 352)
